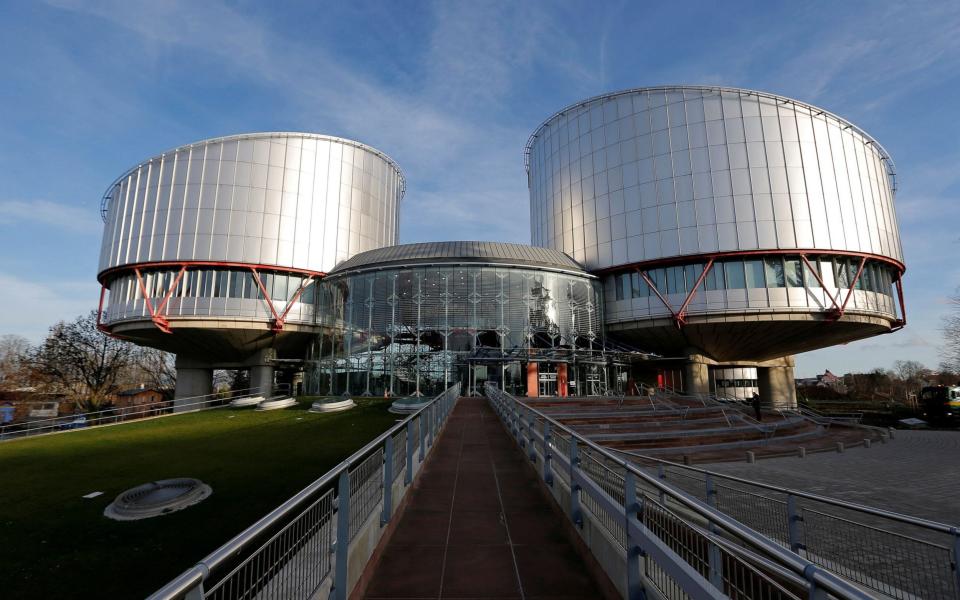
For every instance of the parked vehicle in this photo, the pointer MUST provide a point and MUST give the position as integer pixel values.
(941, 403)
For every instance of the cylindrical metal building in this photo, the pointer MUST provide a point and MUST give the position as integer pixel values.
(212, 250)
(728, 223)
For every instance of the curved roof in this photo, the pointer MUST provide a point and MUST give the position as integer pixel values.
(256, 135)
(460, 252)
(891, 168)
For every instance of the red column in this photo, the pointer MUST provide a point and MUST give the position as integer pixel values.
(562, 380)
(533, 380)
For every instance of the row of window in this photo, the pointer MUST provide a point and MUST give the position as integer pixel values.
(210, 283)
(737, 383)
(758, 273)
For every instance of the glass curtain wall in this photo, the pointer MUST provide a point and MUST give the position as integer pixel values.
(416, 331)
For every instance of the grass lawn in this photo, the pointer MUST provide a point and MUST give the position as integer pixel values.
(55, 544)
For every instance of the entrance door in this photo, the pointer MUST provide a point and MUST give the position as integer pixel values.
(548, 384)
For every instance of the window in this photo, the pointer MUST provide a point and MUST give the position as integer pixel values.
(853, 266)
(619, 283)
(809, 275)
(735, 275)
(842, 277)
(715, 277)
(774, 269)
(754, 272)
(236, 285)
(639, 286)
(659, 278)
(675, 281)
(280, 287)
(793, 272)
(250, 289)
(220, 285)
(692, 274)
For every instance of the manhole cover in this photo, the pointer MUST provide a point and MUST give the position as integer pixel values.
(157, 498)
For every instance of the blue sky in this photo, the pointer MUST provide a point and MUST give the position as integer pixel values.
(451, 91)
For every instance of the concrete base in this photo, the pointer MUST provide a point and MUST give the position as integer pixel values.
(250, 401)
(192, 384)
(261, 380)
(696, 376)
(325, 407)
(276, 404)
(776, 382)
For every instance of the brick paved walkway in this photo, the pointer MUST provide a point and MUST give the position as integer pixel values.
(477, 526)
(918, 474)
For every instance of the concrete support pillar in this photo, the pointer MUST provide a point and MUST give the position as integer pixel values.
(776, 383)
(696, 377)
(191, 383)
(261, 380)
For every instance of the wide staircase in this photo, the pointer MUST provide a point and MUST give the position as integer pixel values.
(701, 429)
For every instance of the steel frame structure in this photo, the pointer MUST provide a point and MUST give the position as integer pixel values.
(157, 312)
(834, 313)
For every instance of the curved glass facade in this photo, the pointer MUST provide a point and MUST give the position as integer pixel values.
(414, 330)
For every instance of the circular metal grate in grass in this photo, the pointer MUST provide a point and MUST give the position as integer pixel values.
(157, 498)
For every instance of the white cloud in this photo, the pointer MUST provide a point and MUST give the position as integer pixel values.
(78, 219)
(29, 307)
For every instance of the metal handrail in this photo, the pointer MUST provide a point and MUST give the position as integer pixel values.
(810, 572)
(845, 504)
(196, 575)
(175, 405)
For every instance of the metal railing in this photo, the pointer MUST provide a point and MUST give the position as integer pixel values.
(673, 544)
(121, 414)
(897, 555)
(304, 545)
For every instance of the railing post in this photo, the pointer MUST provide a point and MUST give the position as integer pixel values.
(423, 436)
(662, 475)
(547, 454)
(343, 536)
(956, 557)
(408, 476)
(713, 551)
(631, 507)
(575, 514)
(387, 480)
(793, 524)
(195, 593)
(533, 438)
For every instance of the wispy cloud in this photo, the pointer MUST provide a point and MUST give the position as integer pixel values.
(67, 217)
(33, 306)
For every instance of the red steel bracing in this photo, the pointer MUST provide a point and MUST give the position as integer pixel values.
(902, 321)
(266, 296)
(155, 313)
(278, 323)
(835, 313)
(100, 325)
(657, 292)
(856, 278)
(820, 281)
(679, 316)
(160, 320)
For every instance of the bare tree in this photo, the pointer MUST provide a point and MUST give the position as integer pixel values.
(155, 368)
(83, 361)
(14, 362)
(951, 334)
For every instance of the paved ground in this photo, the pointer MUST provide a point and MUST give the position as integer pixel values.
(477, 526)
(918, 473)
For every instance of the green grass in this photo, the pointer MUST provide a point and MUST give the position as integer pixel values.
(55, 544)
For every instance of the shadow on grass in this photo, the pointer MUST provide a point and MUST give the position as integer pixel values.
(57, 544)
